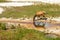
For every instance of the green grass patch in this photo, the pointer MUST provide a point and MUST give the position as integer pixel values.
(17, 12)
(24, 34)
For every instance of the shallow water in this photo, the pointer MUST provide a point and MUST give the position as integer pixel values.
(51, 25)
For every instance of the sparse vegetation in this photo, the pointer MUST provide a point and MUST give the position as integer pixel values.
(13, 27)
(2, 26)
(21, 33)
(17, 12)
(3, 0)
(24, 34)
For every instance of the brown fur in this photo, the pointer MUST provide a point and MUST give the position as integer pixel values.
(40, 13)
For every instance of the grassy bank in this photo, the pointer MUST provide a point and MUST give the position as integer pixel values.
(17, 12)
(24, 34)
